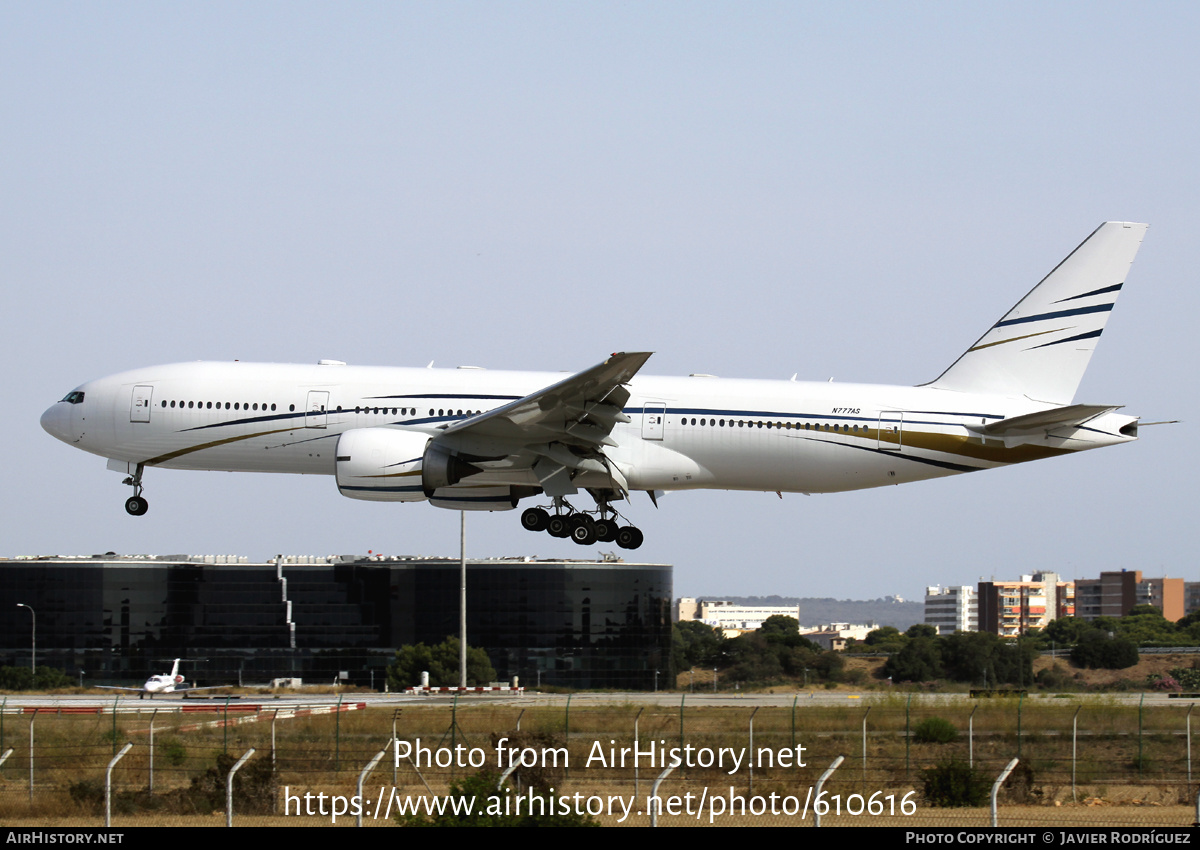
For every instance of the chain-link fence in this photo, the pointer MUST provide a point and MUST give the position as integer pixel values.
(1089, 763)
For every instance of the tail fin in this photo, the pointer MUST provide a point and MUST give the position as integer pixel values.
(175, 669)
(1041, 348)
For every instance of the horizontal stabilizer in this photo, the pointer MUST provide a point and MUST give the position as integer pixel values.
(1052, 427)
(1073, 415)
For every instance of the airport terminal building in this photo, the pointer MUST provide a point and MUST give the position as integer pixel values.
(583, 624)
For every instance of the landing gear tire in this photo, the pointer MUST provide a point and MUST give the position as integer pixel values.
(606, 530)
(583, 529)
(136, 506)
(535, 519)
(559, 526)
(629, 537)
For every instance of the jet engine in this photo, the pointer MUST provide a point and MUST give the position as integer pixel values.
(396, 465)
(381, 464)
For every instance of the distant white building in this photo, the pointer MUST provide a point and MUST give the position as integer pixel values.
(834, 635)
(952, 609)
(731, 619)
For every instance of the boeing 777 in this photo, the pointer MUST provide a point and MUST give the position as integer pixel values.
(471, 439)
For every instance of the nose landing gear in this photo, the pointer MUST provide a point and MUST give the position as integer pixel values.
(136, 505)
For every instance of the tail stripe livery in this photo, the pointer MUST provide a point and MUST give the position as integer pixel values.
(1049, 372)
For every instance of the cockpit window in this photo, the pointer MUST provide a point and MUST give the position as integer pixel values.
(75, 397)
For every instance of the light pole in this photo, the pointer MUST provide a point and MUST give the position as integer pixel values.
(33, 644)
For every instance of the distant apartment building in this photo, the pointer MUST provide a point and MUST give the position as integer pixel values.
(1114, 593)
(1012, 608)
(952, 609)
(731, 619)
(1191, 596)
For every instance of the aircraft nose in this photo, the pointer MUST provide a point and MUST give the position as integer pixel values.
(56, 422)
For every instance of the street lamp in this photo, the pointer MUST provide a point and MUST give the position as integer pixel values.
(33, 644)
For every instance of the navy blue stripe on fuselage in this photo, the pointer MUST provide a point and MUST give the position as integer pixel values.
(840, 417)
(454, 395)
(943, 464)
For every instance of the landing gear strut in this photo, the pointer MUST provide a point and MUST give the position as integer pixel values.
(580, 526)
(136, 505)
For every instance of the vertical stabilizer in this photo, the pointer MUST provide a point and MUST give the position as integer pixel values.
(1041, 348)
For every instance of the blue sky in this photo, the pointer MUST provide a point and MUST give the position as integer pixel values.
(749, 190)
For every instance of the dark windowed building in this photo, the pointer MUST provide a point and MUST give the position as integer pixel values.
(586, 624)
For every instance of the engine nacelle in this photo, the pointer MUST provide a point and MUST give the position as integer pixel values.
(475, 497)
(381, 464)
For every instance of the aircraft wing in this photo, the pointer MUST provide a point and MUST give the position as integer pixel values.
(557, 430)
(205, 688)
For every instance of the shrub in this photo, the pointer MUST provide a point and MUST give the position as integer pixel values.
(955, 784)
(935, 730)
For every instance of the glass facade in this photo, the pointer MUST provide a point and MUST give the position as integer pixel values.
(574, 623)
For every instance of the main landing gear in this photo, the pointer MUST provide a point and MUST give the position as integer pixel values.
(581, 527)
(136, 505)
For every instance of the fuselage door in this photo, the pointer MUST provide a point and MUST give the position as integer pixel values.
(315, 413)
(891, 431)
(139, 408)
(653, 417)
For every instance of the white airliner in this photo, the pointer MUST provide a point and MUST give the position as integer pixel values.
(164, 683)
(470, 439)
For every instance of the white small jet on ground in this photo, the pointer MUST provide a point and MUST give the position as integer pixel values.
(163, 683)
(471, 439)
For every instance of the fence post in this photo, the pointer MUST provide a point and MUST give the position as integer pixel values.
(996, 788)
(229, 786)
(751, 751)
(1020, 706)
(1075, 749)
(108, 783)
(817, 795)
(971, 737)
(907, 735)
(864, 748)
(153, 714)
(1141, 705)
(32, 718)
(654, 793)
(362, 777)
(1189, 742)
(636, 741)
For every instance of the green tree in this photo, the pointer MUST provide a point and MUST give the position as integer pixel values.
(919, 661)
(885, 639)
(1097, 649)
(441, 662)
(695, 644)
(921, 630)
(21, 679)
